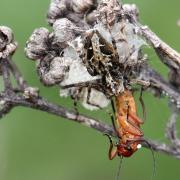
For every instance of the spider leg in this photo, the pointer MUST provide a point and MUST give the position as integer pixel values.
(88, 98)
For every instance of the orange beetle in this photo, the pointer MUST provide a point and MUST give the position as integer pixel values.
(128, 126)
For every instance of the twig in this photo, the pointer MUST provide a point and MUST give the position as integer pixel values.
(17, 75)
(5, 109)
(6, 75)
(164, 148)
(42, 104)
(48, 107)
(167, 55)
(171, 132)
(159, 83)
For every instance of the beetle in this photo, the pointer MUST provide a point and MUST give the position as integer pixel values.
(127, 126)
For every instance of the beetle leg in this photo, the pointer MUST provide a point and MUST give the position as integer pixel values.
(112, 152)
(114, 125)
(130, 127)
(135, 118)
(113, 119)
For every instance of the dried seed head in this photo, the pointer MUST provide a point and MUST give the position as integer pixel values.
(56, 10)
(6, 36)
(36, 46)
(131, 9)
(52, 70)
(72, 9)
(91, 18)
(108, 12)
(64, 32)
(81, 6)
(7, 44)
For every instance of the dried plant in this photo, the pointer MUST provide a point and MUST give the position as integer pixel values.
(93, 53)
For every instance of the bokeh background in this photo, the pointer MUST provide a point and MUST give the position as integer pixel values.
(37, 146)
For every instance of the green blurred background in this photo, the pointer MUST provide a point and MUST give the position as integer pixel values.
(37, 146)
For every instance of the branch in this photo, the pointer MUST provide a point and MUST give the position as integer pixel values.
(39, 103)
(159, 84)
(171, 131)
(6, 75)
(21, 83)
(167, 55)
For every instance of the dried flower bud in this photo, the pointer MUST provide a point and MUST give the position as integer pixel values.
(53, 69)
(91, 18)
(7, 44)
(36, 46)
(56, 10)
(108, 11)
(6, 36)
(81, 6)
(131, 9)
(72, 9)
(64, 31)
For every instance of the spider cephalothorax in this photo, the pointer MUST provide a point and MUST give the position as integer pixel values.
(101, 58)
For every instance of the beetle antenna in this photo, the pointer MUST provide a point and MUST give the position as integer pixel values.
(152, 152)
(119, 168)
(154, 160)
(153, 156)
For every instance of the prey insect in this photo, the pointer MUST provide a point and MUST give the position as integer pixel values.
(99, 55)
(127, 126)
(100, 58)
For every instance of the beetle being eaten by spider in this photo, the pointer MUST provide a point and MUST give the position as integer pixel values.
(110, 54)
(96, 62)
(93, 63)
